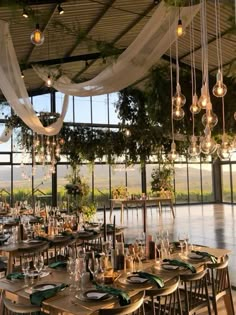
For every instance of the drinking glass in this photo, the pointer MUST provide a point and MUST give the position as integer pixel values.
(39, 264)
(181, 238)
(25, 269)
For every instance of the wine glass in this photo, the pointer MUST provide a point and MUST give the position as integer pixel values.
(39, 264)
(181, 238)
(25, 269)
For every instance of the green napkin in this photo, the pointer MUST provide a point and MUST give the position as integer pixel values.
(123, 297)
(37, 297)
(67, 233)
(58, 264)
(180, 263)
(158, 281)
(15, 275)
(206, 254)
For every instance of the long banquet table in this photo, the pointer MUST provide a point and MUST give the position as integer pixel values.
(66, 303)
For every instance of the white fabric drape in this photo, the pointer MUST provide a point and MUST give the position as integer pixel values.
(132, 65)
(14, 89)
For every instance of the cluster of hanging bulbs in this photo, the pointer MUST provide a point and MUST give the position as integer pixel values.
(178, 102)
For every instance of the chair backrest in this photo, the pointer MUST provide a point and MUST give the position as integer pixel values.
(136, 303)
(166, 300)
(195, 291)
(15, 308)
(220, 283)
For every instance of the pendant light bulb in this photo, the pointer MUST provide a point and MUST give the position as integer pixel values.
(208, 145)
(37, 37)
(22, 74)
(49, 81)
(179, 99)
(178, 113)
(60, 9)
(195, 108)
(209, 119)
(194, 149)
(173, 155)
(179, 28)
(224, 149)
(25, 13)
(219, 89)
(204, 98)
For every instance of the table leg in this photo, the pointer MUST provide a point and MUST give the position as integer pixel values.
(10, 262)
(172, 208)
(111, 210)
(228, 304)
(144, 218)
(160, 207)
(122, 214)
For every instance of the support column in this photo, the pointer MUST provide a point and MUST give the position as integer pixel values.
(143, 178)
(54, 175)
(216, 180)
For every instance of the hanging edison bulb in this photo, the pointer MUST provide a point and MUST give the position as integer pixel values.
(173, 154)
(195, 108)
(37, 37)
(49, 81)
(208, 145)
(178, 113)
(219, 89)
(204, 98)
(194, 148)
(178, 99)
(224, 151)
(179, 28)
(209, 119)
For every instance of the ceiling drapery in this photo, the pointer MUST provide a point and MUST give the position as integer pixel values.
(134, 63)
(14, 90)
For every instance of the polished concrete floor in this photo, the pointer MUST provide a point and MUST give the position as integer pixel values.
(212, 225)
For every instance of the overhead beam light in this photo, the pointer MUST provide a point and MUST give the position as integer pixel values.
(60, 9)
(25, 13)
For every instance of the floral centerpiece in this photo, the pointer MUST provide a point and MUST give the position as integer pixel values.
(119, 192)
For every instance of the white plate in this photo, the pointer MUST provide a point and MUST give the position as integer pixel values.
(45, 286)
(44, 274)
(93, 295)
(136, 280)
(194, 256)
(169, 267)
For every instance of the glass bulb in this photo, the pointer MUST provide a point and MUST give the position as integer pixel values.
(219, 89)
(178, 113)
(195, 108)
(194, 148)
(179, 99)
(37, 37)
(49, 81)
(209, 119)
(204, 98)
(173, 155)
(127, 132)
(208, 145)
(223, 151)
(180, 28)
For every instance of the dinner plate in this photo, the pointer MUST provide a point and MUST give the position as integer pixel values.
(93, 295)
(136, 280)
(170, 267)
(195, 256)
(44, 286)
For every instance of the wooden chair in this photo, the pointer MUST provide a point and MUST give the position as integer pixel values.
(194, 294)
(165, 300)
(136, 304)
(220, 285)
(9, 307)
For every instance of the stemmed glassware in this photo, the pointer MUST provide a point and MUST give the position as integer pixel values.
(39, 264)
(25, 269)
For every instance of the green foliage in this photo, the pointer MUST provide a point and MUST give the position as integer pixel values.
(162, 178)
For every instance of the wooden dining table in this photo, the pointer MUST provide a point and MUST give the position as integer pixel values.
(69, 302)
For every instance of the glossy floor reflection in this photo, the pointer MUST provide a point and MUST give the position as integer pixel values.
(211, 225)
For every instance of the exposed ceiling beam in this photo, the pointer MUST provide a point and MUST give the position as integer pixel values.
(224, 65)
(118, 37)
(228, 30)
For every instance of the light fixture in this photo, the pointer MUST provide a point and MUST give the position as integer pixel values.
(194, 149)
(180, 28)
(178, 113)
(127, 132)
(49, 81)
(204, 98)
(22, 74)
(194, 107)
(37, 37)
(179, 99)
(208, 145)
(224, 149)
(173, 154)
(25, 13)
(219, 89)
(86, 63)
(60, 9)
(209, 119)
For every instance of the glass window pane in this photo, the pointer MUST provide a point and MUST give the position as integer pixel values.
(82, 109)
(226, 190)
(42, 103)
(207, 187)
(113, 98)
(194, 183)
(5, 158)
(181, 188)
(149, 169)
(22, 184)
(5, 183)
(134, 180)
(59, 104)
(100, 112)
(118, 175)
(101, 184)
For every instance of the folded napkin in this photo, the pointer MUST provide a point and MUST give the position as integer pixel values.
(15, 275)
(91, 231)
(37, 297)
(67, 233)
(180, 263)
(58, 264)
(157, 280)
(123, 297)
(206, 254)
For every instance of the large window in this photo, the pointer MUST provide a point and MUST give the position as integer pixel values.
(226, 186)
